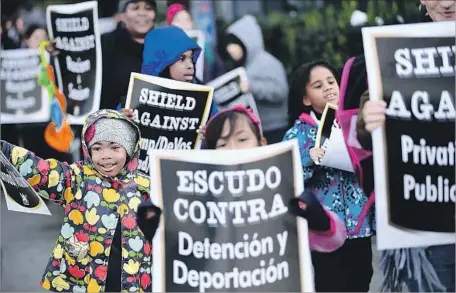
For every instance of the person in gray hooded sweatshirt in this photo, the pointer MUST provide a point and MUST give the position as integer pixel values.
(267, 80)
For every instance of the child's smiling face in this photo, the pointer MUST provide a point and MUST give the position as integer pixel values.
(109, 158)
(322, 88)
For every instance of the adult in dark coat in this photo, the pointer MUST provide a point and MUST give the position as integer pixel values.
(122, 50)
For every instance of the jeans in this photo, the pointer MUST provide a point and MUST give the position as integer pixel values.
(442, 258)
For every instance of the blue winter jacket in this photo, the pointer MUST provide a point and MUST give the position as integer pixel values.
(163, 47)
(338, 190)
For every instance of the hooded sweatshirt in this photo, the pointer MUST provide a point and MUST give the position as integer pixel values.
(266, 74)
(163, 47)
(95, 205)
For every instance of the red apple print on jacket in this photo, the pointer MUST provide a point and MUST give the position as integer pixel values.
(101, 272)
(81, 236)
(76, 272)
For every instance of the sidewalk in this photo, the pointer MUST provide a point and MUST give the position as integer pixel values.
(27, 242)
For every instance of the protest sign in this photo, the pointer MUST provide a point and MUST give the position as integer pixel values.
(412, 68)
(78, 68)
(19, 195)
(23, 100)
(325, 126)
(200, 39)
(331, 139)
(225, 224)
(227, 91)
(168, 113)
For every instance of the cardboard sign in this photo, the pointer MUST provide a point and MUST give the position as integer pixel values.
(227, 91)
(78, 66)
(23, 100)
(168, 113)
(225, 224)
(19, 195)
(412, 68)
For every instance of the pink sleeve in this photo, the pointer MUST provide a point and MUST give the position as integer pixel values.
(330, 240)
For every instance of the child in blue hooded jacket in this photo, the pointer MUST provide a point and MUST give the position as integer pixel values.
(170, 53)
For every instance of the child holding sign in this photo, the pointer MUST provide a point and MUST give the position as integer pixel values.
(238, 128)
(350, 267)
(100, 247)
(170, 53)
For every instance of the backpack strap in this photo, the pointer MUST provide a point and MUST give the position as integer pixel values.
(344, 81)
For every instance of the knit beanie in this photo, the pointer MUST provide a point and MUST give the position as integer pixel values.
(112, 130)
(123, 4)
(172, 11)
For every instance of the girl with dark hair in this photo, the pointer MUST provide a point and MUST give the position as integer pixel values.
(350, 267)
(296, 106)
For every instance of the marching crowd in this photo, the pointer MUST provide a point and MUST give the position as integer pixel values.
(104, 195)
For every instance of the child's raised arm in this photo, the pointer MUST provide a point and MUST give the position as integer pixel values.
(50, 178)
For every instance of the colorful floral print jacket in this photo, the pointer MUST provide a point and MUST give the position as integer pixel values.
(338, 190)
(93, 206)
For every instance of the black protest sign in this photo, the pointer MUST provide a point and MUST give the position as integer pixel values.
(413, 71)
(78, 65)
(23, 99)
(328, 119)
(226, 227)
(228, 93)
(420, 131)
(19, 195)
(168, 113)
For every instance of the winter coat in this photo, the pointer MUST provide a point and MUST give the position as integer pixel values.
(121, 56)
(331, 240)
(338, 190)
(266, 74)
(94, 206)
(163, 47)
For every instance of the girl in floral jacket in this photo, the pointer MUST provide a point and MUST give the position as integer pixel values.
(350, 267)
(100, 247)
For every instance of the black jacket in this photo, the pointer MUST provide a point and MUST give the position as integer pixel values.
(121, 56)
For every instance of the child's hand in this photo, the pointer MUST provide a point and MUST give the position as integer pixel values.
(374, 114)
(316, 154)
(201, 131)
(308, 206)
(148, 218)
(52, 49)
(245, 85)
(128, 113)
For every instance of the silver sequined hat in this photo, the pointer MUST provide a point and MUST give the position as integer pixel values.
(114, 130)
